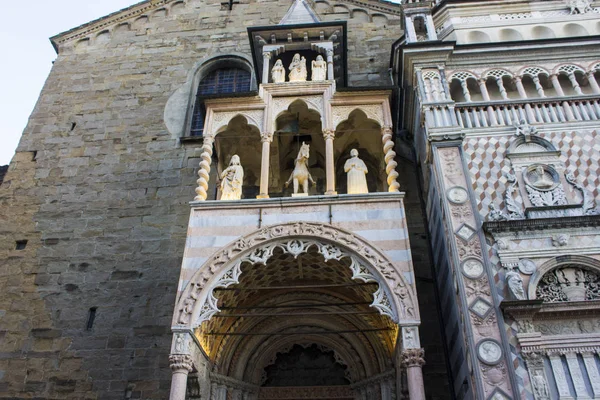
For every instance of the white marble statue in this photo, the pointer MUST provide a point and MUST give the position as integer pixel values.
(319, 69)
(278, 72)
(515, 285)
(232, 179)
(298, 69)
(300, 175)
(356, 171)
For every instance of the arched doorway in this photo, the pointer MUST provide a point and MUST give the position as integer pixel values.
(299, 296)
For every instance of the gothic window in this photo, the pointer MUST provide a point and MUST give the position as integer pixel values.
(217, 82)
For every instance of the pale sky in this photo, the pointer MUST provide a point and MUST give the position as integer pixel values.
(25, 27)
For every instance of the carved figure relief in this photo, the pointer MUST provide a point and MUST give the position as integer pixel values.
(298, 72)
(356, 171)
(278, 72)
(319, 69)
(540, 387)
(300, 175)
(514, 211)
(526, 266)
(472, 268)
(457, 195)
(561, 240)
(489, 351)
(542, 184)
(515, 285)
(579, 6)
(232, 179)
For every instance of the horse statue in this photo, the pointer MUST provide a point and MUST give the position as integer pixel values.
(300, 174)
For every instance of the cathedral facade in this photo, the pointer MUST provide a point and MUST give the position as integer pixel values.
(309, 200)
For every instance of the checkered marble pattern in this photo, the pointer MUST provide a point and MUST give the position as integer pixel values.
(485, 157)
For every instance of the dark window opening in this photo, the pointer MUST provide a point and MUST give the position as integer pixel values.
(34, 156)
(219, 81)
(91, 318)
(21, 244)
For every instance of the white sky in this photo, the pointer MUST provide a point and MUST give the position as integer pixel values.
(27, 55)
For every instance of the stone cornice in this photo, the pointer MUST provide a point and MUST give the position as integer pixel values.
(520, 309)
(542, 224)
(106, 21)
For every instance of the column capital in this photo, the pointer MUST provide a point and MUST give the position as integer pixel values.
(386, 130)
(266, 137)
(517, 78)
(208, 140)
(267, 54)
(413, 358)
(329, 134)
(181, 363)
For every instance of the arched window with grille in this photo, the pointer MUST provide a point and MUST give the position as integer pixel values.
(218, 82)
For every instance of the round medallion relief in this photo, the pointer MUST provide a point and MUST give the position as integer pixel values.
(489, 351)
(472, 268)
(527, 266)
(541, 177)
(457, 195)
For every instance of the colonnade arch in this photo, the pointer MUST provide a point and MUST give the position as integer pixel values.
(332, 271)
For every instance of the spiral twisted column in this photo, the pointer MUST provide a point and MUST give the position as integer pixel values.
(390, 154)
(204, 171)
(181, 366)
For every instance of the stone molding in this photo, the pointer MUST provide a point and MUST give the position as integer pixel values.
(233, 383)
(542, 224)
(395, 297)
(413, 358)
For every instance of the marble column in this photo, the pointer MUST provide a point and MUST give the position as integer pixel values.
(410, 29)
(560, 92)
(574, 83)
(501, 88)
(413, 360)
(538, 86)
(559, 376)
(486, 97)
(593, 82)
(330, 75)
(181, 366)
(523, 94)
(266, 66)
(329, 135)
(592, 371)
(465, 89)
(204, 171)
(266, 139)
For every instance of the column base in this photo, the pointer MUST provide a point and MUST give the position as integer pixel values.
(299, 194)
(262, 196)
(331, 193)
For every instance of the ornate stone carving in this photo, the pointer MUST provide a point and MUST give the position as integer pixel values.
(569, 283)
(181, 362)
(356, 171)
(543, 186)
(561, 240)
(526, 266)
(413, 358)
(300, 175)
(579, 6)
(525, 130)
(495, 214)
(588, 205)
(540, 386)
(410, 337)
(331, 242)
(232, 179)
(478, 287)
(515, 285)
(472, 268)
(514, 211)
(457, 195)
(494, 375)
(372, 111)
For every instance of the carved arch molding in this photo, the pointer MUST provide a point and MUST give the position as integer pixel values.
(394, 296)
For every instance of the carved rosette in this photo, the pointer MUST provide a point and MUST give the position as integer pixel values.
(204, 171)
(181, 363)
(390, 164)
(413, 358)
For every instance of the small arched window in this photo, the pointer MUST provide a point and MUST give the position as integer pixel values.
(217, 82)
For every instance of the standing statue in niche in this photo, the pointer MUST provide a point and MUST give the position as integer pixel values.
(278, 72)
(356, 171)
(232, 179)
(540, 386)
(319, 69)
(298, 69)
(300, 174)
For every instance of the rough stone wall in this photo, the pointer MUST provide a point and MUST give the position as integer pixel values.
(103, 203)
(3, 170)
